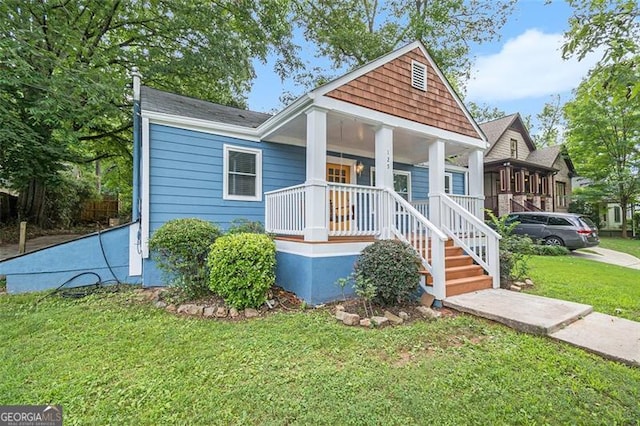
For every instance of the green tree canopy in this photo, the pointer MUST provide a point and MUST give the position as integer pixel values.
(603, 126)
(353, 32)
(64, 69)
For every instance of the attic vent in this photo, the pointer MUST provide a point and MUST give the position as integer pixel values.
(419, 75)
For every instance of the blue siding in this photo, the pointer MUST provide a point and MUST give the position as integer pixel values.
(51, 267)
(186, 170)
(458, 179)
(313, 279)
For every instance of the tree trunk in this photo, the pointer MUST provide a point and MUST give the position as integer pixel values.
(623, 206)
(32, 203)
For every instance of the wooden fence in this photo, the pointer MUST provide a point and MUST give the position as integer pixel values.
(100, 211)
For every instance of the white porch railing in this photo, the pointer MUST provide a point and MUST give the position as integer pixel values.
(470, 203)
(285, 210)
(422, 206)
(407, 224)
(352, 210)
(475, 237)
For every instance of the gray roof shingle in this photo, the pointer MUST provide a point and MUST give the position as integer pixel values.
(184, 106)
(496, 128)
(545, 156)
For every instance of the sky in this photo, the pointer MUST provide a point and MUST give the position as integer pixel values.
(518, 73)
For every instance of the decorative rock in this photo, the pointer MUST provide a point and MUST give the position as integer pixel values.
(271, 303)
(171, 308)
(251, 313)
(209, 311)
(160, 304)
(403, 315)
(427, 299)
(195, 310)
(528, 282)
(379, 321)
(428, 312)
(515, 287)
(339, 308)
(221, 312)
(233, 313)
(340, 315)
(351, 319)
(182, 309)
(520, 284)
(393, 318)
(365, 322)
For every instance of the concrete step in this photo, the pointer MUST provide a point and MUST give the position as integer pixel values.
(524, 312)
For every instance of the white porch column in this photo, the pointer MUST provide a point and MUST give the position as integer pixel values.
(384, 175)
(316, 191)
(476, 180)
(436, 180)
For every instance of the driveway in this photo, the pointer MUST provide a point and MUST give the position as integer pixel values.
(608, 256)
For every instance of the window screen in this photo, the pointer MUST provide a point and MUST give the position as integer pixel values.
(242, 173)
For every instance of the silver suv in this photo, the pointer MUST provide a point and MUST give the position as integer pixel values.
(571, 230)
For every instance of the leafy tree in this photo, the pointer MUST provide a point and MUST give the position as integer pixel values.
(63, 73)
(603, 126)
(551, 123)
(483, 113)
(353, 32)
(610, 26)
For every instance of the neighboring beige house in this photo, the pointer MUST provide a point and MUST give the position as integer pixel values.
(519, 177)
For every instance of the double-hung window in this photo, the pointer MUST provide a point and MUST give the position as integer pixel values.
(242, 178)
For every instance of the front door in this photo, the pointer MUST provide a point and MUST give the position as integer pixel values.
(340, 209)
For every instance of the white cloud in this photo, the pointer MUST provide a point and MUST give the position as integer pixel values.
(528, 66)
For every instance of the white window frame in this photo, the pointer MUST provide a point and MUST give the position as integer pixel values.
(225, 176)
(372, 182)
(450, 176)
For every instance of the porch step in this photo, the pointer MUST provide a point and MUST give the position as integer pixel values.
(457, 260)
(456, 272)
(468, 285)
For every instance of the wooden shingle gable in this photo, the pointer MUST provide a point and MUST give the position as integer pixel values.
(386, 85)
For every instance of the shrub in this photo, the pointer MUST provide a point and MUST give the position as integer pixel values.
(545, 250)
(242, 269)
(515, 250)
(181, 247)
(393, 268)
(241, 225)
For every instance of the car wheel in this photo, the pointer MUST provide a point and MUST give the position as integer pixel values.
(553, 241)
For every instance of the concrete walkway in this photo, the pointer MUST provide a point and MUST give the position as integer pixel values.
(608, 256)
(611, 337)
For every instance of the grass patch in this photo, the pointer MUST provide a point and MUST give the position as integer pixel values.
(605, 287)
(107, 359)
(628, 246)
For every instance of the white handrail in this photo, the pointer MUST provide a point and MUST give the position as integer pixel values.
(474, 236)
(410, 226)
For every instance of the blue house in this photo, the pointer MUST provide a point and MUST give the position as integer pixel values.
(361, 158)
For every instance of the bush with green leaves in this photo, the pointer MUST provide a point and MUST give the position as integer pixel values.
(180, 248)
(242, 269)
(393, 268)
(515, 250)
(545, 250)
(241, 225)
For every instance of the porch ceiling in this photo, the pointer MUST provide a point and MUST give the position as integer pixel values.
(350, 135)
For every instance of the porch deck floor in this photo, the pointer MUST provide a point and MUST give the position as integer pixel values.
(332, 239)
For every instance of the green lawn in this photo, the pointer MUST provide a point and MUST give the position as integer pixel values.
(605, 287)
(111, 360)
(628, 246)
